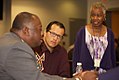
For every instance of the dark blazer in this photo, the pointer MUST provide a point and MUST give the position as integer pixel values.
(18, 62)
(112, 74)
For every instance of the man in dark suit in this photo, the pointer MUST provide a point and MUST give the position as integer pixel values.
(17, 59)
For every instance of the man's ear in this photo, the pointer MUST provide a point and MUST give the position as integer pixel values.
(25, 30)
(44, 33)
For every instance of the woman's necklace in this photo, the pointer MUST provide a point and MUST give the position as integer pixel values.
(96, 31)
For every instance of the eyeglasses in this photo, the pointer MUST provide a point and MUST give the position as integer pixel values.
(54, 35)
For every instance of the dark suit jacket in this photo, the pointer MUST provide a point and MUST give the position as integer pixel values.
(112, 74)
(18, 62)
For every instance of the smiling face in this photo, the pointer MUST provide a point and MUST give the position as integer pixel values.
(53, 36)
(97, 17)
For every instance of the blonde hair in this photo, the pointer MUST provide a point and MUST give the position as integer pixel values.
(99, 5)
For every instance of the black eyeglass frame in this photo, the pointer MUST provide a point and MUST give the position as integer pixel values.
(54, 34)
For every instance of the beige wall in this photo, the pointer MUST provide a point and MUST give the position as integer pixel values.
(1, 27)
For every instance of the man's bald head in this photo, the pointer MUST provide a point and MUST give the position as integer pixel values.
(21, 20)
(28, 27)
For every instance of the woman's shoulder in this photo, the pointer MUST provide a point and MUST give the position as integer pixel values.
(82, 29)
(109, 30)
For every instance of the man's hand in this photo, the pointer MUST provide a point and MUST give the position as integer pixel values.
(89, 75)
(77, 75)
(86, 75)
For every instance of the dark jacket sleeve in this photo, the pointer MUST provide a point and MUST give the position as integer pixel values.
(77, 47)
(113, 53)
(112, 74)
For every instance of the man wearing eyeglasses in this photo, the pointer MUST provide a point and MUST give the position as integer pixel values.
(54, 57)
